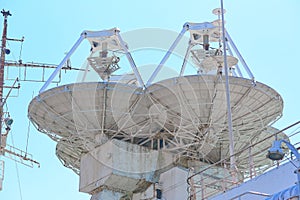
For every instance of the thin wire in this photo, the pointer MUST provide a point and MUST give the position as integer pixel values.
(291, 161)
(28, 130)
(27, 141)
(17, 169)
(12, 53)
(19, 182)
(295, 133)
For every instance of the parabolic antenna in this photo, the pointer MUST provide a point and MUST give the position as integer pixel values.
(197, 114)
(185, 115)
(181, 119)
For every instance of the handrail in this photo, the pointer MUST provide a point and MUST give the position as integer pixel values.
(251, 192)
(237, 153)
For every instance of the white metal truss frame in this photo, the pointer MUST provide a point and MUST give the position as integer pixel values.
(95, 34)
(186, 27)
(198, 27)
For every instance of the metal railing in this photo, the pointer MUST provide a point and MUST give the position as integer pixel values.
(251, 193)
(218, 177)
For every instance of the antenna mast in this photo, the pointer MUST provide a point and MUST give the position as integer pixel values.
(7, 150)
(3, 52)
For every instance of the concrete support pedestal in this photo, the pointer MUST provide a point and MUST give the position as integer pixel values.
(117, 170)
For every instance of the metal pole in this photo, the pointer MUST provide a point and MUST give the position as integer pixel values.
(230, 133)
(237, 65)
(165, 58)
(60, 66)
(131, 61)
(185, 59)
(5, 14)
(239, 56)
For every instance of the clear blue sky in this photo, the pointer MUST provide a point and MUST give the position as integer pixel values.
(266, 33)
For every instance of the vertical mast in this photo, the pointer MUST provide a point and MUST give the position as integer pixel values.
(229, 116)
(3, 51)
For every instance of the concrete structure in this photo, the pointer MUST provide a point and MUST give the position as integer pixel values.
(123, 167)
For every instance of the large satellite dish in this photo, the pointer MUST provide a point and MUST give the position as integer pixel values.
(183, 116)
